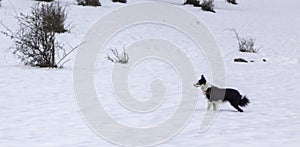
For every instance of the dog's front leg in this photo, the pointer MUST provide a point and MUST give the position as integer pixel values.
(208, 105)
(215, 106)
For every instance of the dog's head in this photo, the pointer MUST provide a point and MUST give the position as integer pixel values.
(201, 82)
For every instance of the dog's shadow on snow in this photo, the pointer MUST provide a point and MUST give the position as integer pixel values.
(227, 110)
(221, 110)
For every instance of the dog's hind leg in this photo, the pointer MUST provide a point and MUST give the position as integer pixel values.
(238, 108)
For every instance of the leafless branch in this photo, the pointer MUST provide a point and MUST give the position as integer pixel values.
(67, 54)
(245, 44)
(122, 58)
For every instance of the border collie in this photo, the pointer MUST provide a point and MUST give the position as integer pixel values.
(215, 95)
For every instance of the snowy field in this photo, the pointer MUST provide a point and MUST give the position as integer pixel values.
(38, 106)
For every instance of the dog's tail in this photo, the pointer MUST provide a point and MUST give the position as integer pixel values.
(244, 101)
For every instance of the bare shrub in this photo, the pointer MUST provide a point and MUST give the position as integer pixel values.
(208, 5)
(122, 58)
(195, 3)
(35, 40)
(245, 44)
(94, 3)
(121, 1)
(232, 2)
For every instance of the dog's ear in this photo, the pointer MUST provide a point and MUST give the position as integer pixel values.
(203, 80)
(202, 77)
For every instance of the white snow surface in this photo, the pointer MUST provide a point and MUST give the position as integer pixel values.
(38, 106)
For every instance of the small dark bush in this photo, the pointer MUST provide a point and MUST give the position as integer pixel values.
(195, 3)
(208, 5)
(240, 60)
(94, 3)
(232, 2)
(121, 1)
(54, 16)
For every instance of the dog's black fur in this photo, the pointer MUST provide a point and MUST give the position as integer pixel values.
(214, 93)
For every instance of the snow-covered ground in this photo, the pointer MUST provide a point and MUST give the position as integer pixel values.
(38, 106)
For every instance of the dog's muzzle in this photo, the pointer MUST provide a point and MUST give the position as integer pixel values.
(196, 85)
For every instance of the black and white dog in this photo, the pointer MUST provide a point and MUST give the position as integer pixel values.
(215, 95)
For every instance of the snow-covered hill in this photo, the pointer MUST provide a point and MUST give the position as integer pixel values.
(38, 106)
